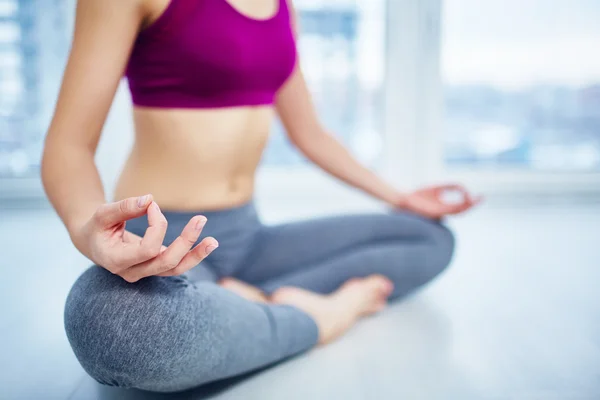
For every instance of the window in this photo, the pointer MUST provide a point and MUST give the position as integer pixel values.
(341, 50)
(33, 47)
(342, 46)
(521, 85)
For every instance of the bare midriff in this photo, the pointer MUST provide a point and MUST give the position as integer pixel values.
(195, 159)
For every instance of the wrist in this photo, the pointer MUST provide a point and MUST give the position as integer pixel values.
(402, 200)
(75, 225)
(75, 229)
(393, 197)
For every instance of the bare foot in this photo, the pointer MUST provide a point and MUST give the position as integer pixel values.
(243, 289)
(337, 312)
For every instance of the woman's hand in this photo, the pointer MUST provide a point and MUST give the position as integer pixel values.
(430, 203)
(104, 240)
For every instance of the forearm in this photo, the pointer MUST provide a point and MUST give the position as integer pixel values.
(72, 183)
(329, 154)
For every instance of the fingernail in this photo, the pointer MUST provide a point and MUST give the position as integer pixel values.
(156, 207)
(142, 200)
(200, 223)
(211, 248)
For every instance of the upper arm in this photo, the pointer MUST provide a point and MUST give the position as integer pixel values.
(105, 31)
(294, 102)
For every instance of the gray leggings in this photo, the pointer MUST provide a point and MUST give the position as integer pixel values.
(169, 334)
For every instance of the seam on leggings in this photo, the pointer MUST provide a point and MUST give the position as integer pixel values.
(255, 247)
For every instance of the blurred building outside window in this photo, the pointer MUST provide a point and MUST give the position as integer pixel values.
(521, 85)
(33, 47)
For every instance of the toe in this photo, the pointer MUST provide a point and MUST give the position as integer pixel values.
(384, 286)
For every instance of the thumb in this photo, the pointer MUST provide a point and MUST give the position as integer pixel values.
(118, 212)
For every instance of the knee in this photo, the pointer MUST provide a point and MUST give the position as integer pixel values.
(102, 328)
(438, 239)
(125, 335)
(86, 325)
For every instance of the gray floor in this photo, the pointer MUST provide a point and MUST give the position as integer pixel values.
(516, 317)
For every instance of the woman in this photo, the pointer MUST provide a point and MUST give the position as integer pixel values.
(206, 76)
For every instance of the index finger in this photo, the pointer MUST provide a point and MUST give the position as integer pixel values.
(120, 211)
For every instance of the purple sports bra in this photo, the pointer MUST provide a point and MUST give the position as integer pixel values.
(206, 54)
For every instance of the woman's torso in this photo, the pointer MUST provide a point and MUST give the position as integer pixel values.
(200, 130)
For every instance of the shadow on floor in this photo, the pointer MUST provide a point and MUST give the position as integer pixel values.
(204, 392)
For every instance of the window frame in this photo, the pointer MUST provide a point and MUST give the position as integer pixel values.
(20, 189)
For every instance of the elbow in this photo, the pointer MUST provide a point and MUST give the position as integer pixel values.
(47, 161)
(54, 154)
(60, 153)
(50, 153)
